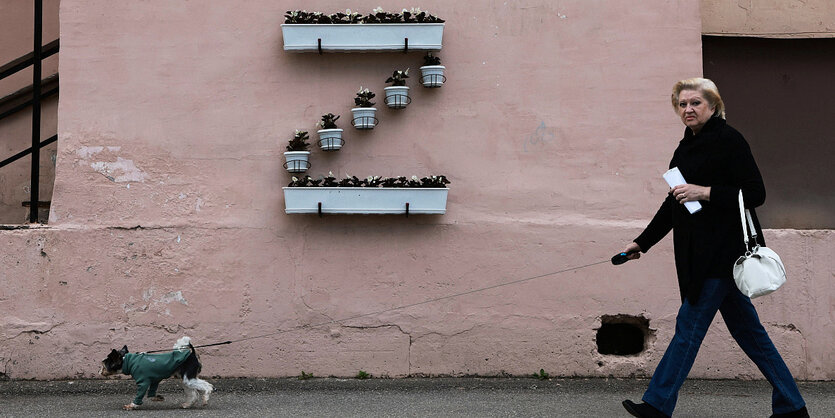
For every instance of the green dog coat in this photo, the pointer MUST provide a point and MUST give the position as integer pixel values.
(149, 369)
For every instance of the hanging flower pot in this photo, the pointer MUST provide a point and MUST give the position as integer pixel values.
(397, 97)
(432, 76)
(330, 137)
(364, 117)
(297, 156)
(297, 161)
(365, 114)
(432, 72)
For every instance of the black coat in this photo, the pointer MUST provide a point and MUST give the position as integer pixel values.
(708, 242)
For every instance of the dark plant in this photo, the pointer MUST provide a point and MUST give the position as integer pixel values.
(363, 375)
(303, 16)
(542, 375)
(398, 78)
(434, 182)
(299, 142)
(408, 16)
(296, 16)
(305, 376)
(329, 181)
(347, 17)
(430, 182)
(305, 181)
(351, 181)
(363, 98)
(377, 15)
(430, 59)
(373, 181)
(328, 121)
(422, 17)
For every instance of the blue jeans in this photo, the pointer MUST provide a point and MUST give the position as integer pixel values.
(741, 318)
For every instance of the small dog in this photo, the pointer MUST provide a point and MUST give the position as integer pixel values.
(149, 369)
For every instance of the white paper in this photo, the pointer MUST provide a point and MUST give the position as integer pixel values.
(674, 178)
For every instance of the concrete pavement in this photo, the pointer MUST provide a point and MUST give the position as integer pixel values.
(414, 397)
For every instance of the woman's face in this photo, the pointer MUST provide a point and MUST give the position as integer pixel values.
(694, 110)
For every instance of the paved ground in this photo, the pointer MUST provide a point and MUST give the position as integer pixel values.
(437, 397)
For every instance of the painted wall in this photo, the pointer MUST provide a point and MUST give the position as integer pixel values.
(769, 18)
(554, 127)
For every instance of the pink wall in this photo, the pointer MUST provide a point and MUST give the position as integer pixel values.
(554, 127)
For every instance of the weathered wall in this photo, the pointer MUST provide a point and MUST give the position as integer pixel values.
(554, 127)
(16, 40)
(769, 18)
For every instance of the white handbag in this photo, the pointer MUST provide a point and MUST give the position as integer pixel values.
(760, 271)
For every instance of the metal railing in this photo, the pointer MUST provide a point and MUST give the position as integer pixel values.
(34, 59)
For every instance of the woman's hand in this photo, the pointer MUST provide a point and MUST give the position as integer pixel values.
(633, 248)
(684, 193)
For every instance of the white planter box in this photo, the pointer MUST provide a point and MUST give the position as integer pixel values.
(363, 37)
(365, 200)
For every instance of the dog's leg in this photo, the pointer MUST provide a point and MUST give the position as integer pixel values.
(152, 393)
(142, 386)
(205, 389)
(191, 394)
(199, 385)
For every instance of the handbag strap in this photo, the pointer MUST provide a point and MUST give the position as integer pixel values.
(745, 214)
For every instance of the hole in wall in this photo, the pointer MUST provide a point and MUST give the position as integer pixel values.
(622, 335)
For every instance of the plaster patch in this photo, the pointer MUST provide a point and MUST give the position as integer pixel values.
(148, 296)
(159, 304)
(174, 297)
(125, 170)
(86, 152)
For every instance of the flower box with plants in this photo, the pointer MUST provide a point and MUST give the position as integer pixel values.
(330, 137)
(397, 95)
(297, 156)
(413, 29)
(365, 114)
(373, 195)
(432, 72)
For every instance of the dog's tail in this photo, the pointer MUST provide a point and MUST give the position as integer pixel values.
(183, 344)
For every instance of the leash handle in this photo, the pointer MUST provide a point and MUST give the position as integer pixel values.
(621, 258)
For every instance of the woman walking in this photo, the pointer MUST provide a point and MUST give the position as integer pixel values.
(717, 163)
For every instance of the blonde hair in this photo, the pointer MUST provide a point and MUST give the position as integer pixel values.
(704, 86)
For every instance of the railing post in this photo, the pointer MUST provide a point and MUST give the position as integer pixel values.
(36, 114)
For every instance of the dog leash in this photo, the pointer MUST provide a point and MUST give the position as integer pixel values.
(469, 292)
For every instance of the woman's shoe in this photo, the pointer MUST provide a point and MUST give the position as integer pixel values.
(800, 413)
(643, 410)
